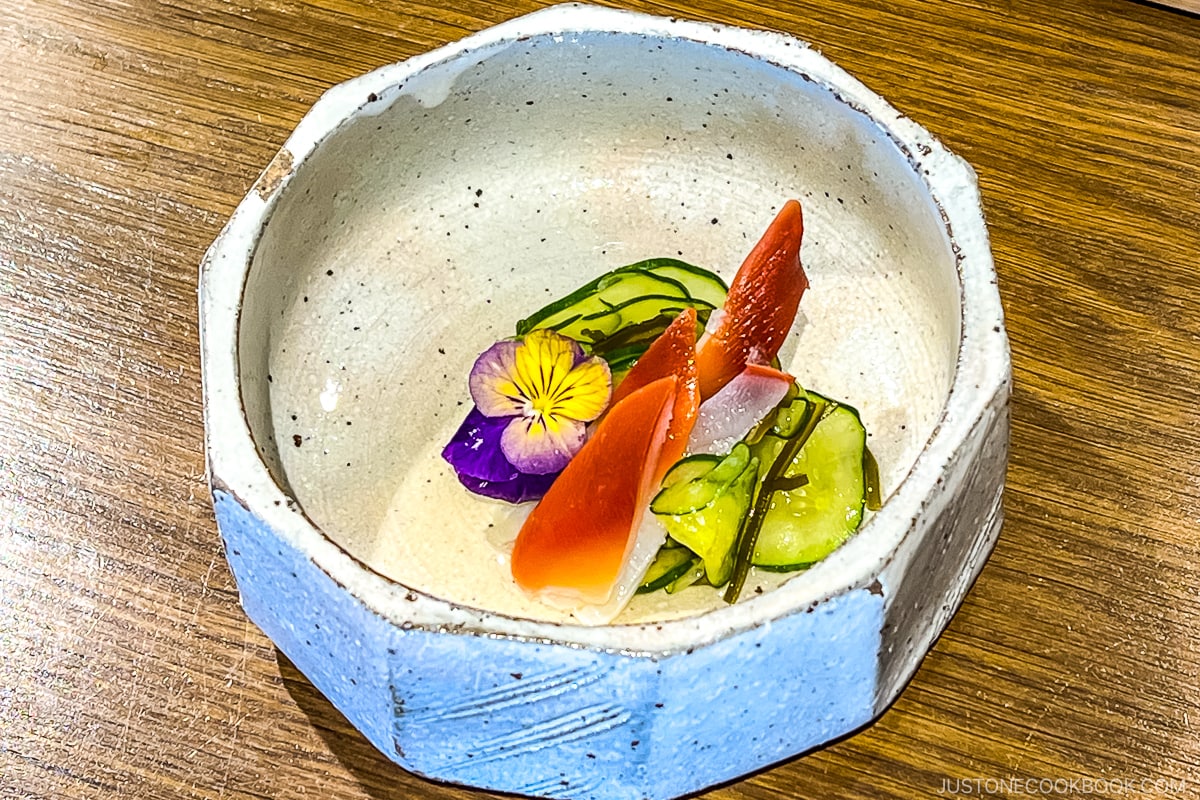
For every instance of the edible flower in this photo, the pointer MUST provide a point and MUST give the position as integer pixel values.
(548, 389)
(533, 399)
(474, 452)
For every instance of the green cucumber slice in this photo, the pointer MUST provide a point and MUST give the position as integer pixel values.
(698, 480)
(692, 576)
(790, 416)
(633, 339)
(600, 295)
(804, 525)
(623, 358)
(597, 326)
(776, 455)
(690, 469)
(587, 331)
(699, 282)
(668, 277)
(639, 336)
(731, 466)
(668, 566)
(686, 496)
(646, 307)
(711, 531)
(625, 346)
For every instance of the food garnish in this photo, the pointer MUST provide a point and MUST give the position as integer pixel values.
(655, 389)
(533, 399)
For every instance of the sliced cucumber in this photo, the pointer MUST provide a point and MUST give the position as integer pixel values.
(791, 413)
(660, 277)
(604, 293)
(669, 565)
(623, 360)
(704, 504)
(588, 332)
(711, 532)
(803, 525)
(689, 469)
(699, 282)
(685, 497)
(777, 454)
(691, 577)
(696, 481)
(632, 340)
(646, 307)
(731, 466)
(624, 347)
(592, 329)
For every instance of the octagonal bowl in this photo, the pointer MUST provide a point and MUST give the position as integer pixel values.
(412, 217)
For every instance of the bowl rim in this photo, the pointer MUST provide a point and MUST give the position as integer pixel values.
(983, 363)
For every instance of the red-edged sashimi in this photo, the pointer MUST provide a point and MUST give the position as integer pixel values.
(760, 307)
(672, 353)
(574, 551)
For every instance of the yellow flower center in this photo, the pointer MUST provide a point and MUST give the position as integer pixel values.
(552, 385)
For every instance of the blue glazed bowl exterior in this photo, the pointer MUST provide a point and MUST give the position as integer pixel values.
(553, 720)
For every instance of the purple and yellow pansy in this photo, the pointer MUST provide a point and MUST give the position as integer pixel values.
(533, 397)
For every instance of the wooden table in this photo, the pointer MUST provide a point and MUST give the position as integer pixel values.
(130, 129)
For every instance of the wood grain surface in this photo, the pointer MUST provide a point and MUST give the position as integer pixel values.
(129, 129)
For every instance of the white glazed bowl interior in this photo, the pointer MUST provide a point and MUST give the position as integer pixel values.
(461, 196)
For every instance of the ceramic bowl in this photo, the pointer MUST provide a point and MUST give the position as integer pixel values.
(413, 216)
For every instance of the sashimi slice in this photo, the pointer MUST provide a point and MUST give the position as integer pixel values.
(725, 418)
(760, 307)
(574, 549)
(672, 353)
(647, 541)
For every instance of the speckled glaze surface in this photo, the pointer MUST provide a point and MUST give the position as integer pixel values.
(412, 217)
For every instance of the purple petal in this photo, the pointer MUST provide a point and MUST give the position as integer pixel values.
(518, 490)
(580, 354)
(479, 462)
(474, 450)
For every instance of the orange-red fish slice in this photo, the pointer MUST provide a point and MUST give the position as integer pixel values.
(760, 307)
(672, 353)
(573, 547)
